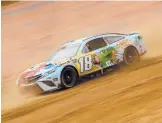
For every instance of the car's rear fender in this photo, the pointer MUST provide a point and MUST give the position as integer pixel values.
(138, 43)
(132, 39)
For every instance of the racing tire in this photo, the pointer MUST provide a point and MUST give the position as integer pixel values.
(68, 77)
(131, 55)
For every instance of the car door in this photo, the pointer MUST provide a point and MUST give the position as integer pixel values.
(89, 61)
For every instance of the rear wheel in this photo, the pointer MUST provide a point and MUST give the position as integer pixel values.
(131, 56)
(68, 77)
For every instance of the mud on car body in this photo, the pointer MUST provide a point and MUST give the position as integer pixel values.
(82, 57)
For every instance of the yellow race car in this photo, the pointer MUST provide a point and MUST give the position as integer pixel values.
(83, 57)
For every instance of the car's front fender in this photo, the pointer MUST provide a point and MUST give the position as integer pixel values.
(54, 78)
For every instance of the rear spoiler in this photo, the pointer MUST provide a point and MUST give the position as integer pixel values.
(132, 33)
(126, 34)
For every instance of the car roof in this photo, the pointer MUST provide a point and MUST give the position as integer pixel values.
(81, 40)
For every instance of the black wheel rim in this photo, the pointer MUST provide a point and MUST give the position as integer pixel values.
(68, 77)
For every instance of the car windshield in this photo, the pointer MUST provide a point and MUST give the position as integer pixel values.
(65, 52)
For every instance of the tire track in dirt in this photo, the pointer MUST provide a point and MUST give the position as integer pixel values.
(131, 94)
(37, 104)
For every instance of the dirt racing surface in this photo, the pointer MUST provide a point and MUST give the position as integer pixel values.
(31, 31)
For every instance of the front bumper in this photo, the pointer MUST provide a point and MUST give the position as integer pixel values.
(47, 83)
(39, 86)
(43, 85)
(32, 89)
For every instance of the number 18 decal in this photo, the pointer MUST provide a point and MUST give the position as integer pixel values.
(85, 63)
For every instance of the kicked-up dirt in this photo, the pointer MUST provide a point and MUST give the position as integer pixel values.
(31, 31)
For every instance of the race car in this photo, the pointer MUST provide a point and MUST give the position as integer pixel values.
(83, 57)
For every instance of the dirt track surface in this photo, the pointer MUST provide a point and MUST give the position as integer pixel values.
(31, 31)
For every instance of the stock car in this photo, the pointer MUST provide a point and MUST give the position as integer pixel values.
(82, 57)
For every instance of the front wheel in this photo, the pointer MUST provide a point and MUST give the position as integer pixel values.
(68, 77)
(131, 56)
